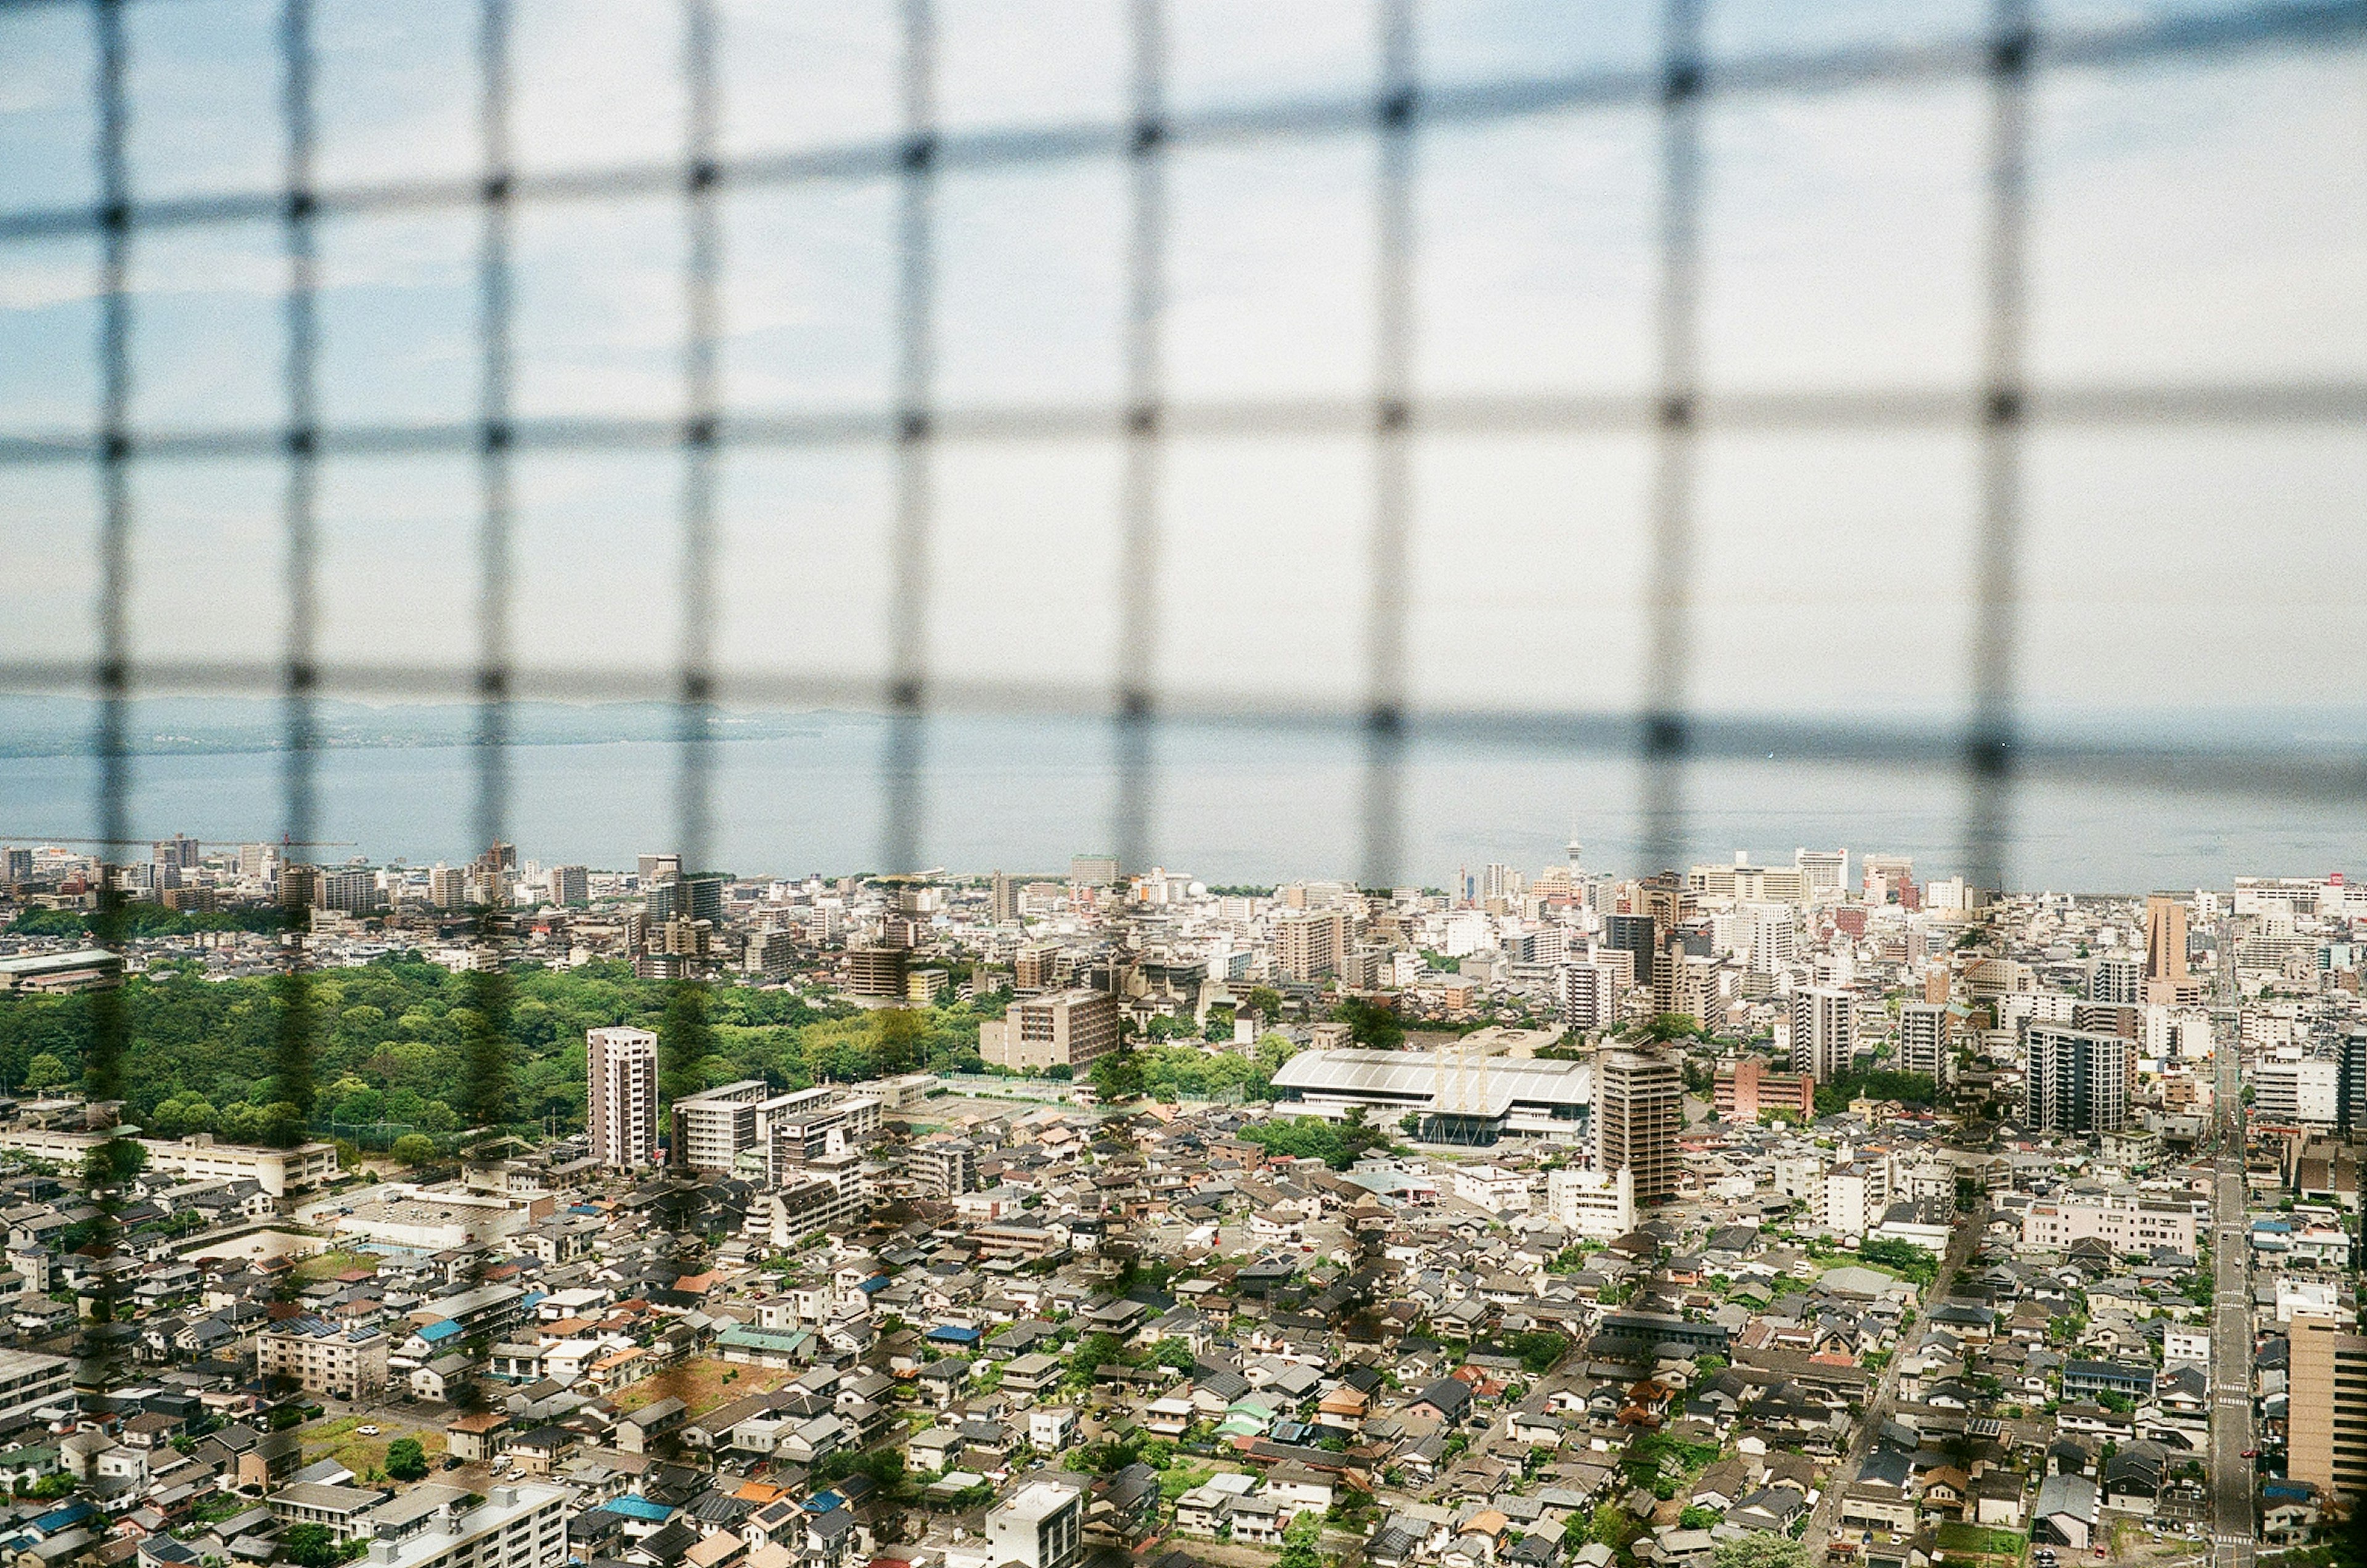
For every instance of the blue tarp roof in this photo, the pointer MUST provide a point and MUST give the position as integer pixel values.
(437, 1333)
(824, 1502)
(955, 1333)
(635, 1506)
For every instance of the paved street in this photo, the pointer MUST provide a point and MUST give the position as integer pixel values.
(2231, 1331)
(1826, 1517)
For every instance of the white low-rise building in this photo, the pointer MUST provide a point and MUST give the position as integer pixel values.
(2122, 1221)
(1492, 1188)
(1591, 1202)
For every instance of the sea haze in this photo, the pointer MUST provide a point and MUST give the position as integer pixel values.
(1230, 803)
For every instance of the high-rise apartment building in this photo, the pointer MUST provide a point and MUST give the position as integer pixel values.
(351, 888)
(1746, 1089)
(1308, 944)
(1035, 969)
(1589, 996)
(1638, 1110)
(1093, 871)
(568, 885)
(2117, 979)
(1923, 1042)
(876, 972)
(2290, 1093)
(620, 1095)
(1775, 933)
(660, 868)
(1005, 898)
(16, 865)
(2077, 1081)
(2350, 1083)
(2326, 1417)
(300, 886)
(710, 1129)
(1631, 934)
(447, 887)
(1065, 1029)
(1824, 1033)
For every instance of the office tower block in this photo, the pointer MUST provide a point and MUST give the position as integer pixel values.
(2077, 1081)
(568, 885)
(1923, 1042)
(620, 1095)
(1005, 900)
(1825, 872)
(18, 866)
(1638, 1110)
(1824, 1033)
(660, 868)
(2325, 1419)
(2165, 937)
(447, 887)
(1093, 871)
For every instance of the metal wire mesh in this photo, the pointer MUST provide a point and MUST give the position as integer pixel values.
(1987, 752)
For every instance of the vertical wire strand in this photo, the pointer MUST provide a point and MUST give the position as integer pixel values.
(700, 284)
(293, 1061)
(1138, 506)
(686, 1037)
(485, 1039)
(488, 1038)
(1669, 588)
(99, 1349)
(908, 543)
(1989, 743)
(1385, 660)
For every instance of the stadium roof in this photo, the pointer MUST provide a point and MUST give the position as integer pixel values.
(1483, 1087)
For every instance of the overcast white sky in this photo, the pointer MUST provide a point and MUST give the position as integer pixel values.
(2196, 222)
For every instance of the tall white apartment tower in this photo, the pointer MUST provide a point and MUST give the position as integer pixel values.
(1923, 1042)
(1824, 1032)
(620, 1099)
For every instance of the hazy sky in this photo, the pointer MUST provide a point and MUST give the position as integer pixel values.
(2194, 224)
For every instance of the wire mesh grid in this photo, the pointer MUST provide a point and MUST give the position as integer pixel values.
(1986, 751)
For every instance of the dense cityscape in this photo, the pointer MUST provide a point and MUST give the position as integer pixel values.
(1750, 1216)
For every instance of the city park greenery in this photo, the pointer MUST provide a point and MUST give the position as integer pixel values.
(401, 1054)
(398, 1059)
(398, 1045)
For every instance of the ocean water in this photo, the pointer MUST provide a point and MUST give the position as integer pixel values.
(1228, 804)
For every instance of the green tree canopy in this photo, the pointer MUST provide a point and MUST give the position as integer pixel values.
(1758, 1550)
(406, 1460)
(413, 1149)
